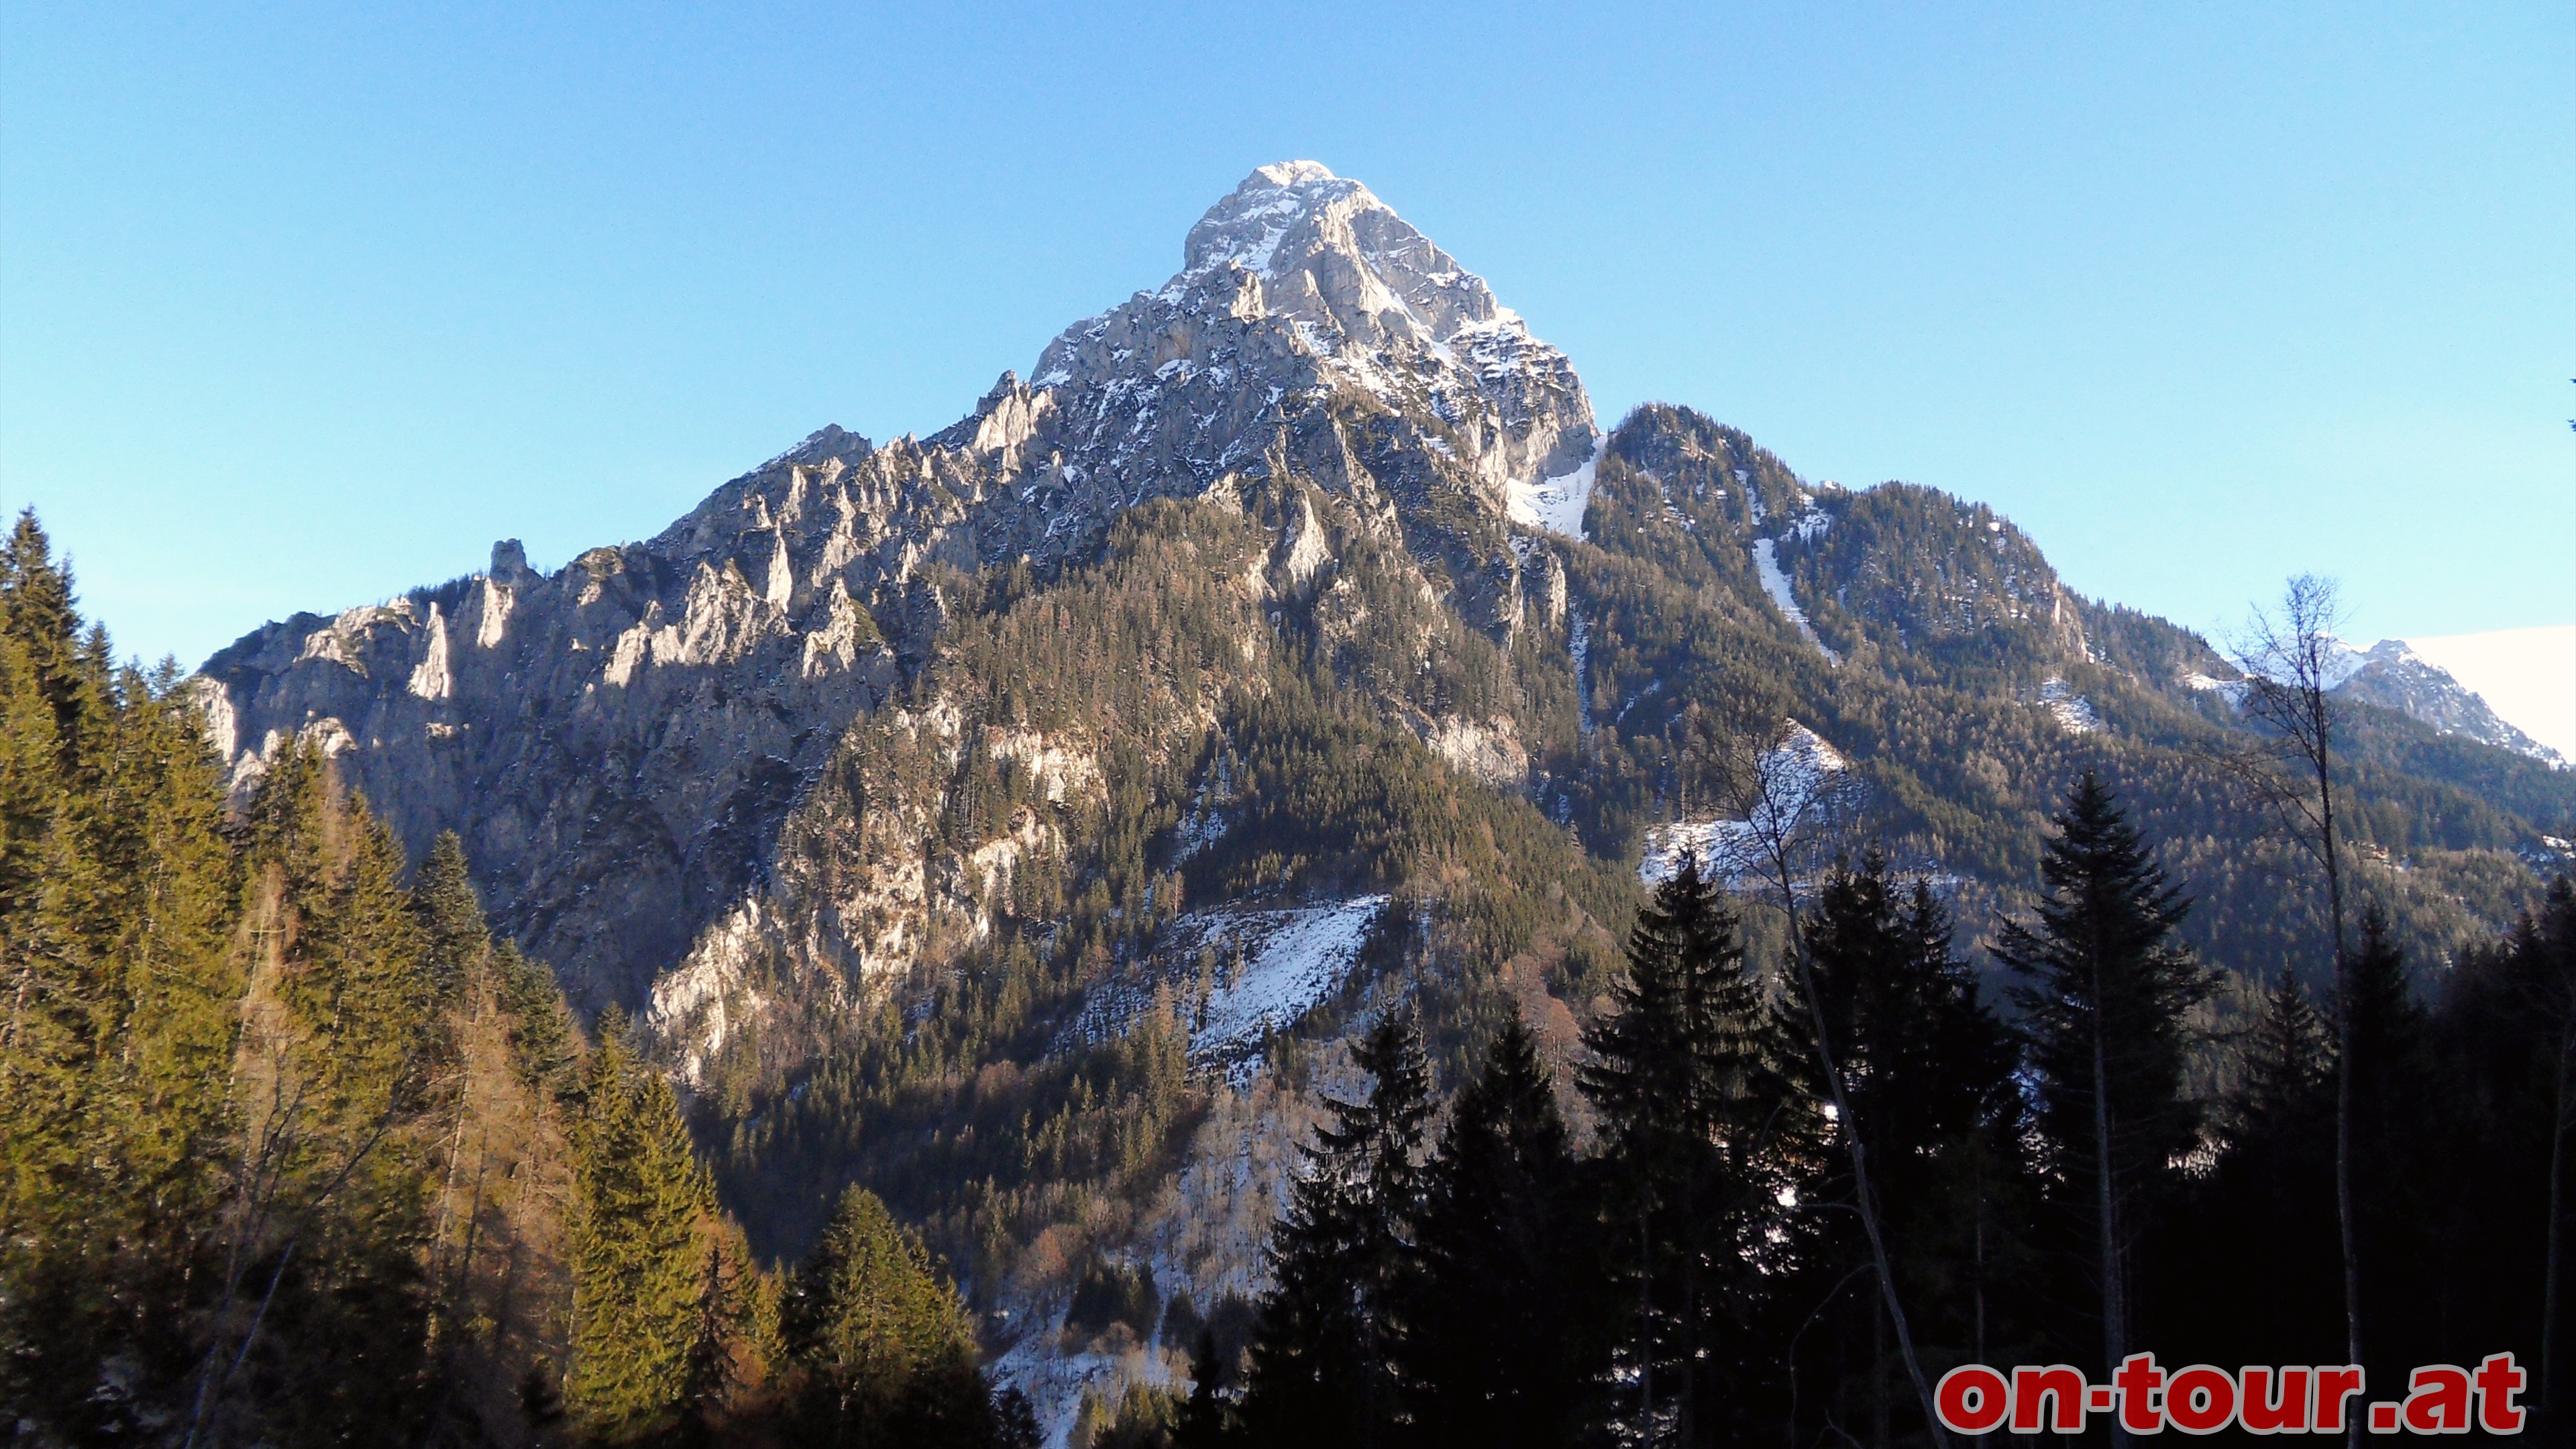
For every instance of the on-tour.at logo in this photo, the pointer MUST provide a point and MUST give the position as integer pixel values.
(2202, 1399)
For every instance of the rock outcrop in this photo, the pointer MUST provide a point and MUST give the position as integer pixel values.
(620, 740)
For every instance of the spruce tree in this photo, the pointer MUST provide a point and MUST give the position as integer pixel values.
(116, 915)
(1494, 1347)
(872, 1325)
(2506, 1045)
(2105, 991)
(1926, 1072)
(357, 982)
(635, 1245)
(1321, 1369)
(2393, 1118)
(457, 939)
(1926, 1062)
(1687, 1074)
(1207, 1416)
(542, 1038)
(2262, 1234)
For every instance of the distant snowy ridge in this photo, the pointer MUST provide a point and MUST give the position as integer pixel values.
(2391, 675)
(2526, 675)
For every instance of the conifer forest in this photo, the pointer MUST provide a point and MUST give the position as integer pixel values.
(301, 1151)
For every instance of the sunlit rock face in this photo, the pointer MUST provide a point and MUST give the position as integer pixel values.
(619, 741)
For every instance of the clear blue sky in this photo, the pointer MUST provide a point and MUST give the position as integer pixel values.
(301, 307)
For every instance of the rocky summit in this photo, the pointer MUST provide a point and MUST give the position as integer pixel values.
(1019, 820)
(619, 741)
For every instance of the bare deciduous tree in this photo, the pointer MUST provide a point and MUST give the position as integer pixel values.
(2290, 652)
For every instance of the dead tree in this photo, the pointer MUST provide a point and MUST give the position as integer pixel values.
(2291, 652)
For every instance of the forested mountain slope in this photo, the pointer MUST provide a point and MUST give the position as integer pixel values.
(1018, 821)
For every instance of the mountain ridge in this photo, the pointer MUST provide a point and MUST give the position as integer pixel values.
(935, 801)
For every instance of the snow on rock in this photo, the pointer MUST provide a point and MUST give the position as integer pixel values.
(1287, 962)
(1557, 504)
(2232, 689)
(2073, 711)
(1776, 584)
(1793, 774)
(1297, 284)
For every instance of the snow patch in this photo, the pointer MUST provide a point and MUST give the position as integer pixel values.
(1775, 583)
(2074, 712)
(1291, 961)
(1793, 774)
(1557, 504)
(2232, 689)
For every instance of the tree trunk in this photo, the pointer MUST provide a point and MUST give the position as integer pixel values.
(2551, 1257)
(2115, 1305)
(2346, 1215)
(1645, 1328)
(1850, 1125)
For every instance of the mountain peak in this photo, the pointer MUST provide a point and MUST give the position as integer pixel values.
(1246, 227)
(1289, 173)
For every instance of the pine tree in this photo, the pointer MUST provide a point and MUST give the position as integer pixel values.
(1207, 1417)
(357, 982)
(1494, 1348)
(1687, 1072)
(542, 1039)
(1321, 1367)
(2289, 1073)
(635, 1246)
(1926, 1061)
(2507, 1054)
(2105, 995)
(2262, 1235)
